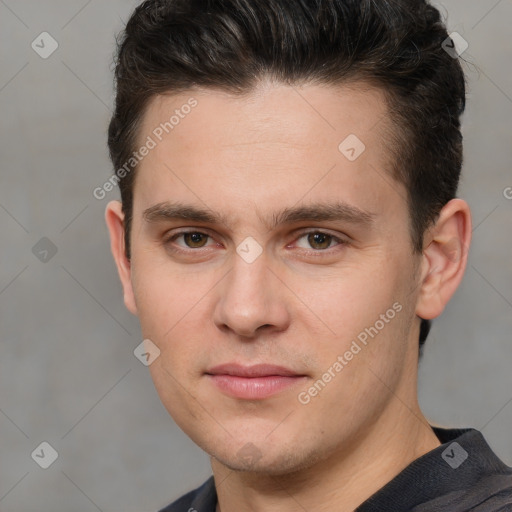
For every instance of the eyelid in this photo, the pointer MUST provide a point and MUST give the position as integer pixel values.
(298, 235)
(170, 238)
(301, 234)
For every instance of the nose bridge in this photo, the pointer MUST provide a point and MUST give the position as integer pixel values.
(250, 279)
(249, 298)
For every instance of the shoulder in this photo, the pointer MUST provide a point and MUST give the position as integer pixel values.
(480, 481)
(202, 499)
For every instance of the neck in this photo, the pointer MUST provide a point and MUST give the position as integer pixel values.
(341, 482)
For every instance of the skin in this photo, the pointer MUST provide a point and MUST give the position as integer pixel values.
(298, 305)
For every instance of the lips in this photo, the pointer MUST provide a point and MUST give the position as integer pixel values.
(257, 370)
(255, 382)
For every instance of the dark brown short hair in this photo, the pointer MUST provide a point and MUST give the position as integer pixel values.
(396, 45)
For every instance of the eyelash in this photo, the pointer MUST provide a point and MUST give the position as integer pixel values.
(315, 252)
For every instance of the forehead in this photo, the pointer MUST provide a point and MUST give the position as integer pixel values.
(277, 142)
(270, 113)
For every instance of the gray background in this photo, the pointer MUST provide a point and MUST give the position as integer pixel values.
(68, 375)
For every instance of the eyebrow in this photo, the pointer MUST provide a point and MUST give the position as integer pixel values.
(318, 212)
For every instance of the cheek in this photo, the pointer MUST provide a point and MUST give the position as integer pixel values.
(163, 296)
(168, 307)
(362, 363)
(172, 308)
(368, 315)
(352, 300)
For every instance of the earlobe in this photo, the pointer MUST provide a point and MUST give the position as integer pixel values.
(114, 218)
(444, 258)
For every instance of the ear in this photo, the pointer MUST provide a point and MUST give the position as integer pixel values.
(444, 258)
(114, 217)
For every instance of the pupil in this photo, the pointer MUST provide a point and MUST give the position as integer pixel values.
(319, 239)
(195, 239)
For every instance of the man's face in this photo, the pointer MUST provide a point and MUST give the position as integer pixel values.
(303, 292)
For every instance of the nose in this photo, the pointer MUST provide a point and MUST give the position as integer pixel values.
(252, 299)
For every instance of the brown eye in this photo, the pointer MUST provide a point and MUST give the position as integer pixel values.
(195, 239)
(319, 240)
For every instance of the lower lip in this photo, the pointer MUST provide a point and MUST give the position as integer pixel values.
(254, 388)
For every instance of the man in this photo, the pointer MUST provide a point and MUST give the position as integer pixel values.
(288, 229)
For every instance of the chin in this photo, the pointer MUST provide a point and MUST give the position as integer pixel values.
(268, 460)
